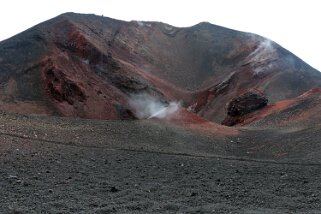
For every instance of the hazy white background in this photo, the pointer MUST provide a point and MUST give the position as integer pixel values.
(295, 24)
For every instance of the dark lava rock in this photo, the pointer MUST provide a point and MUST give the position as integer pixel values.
(114, 189)
(193, 194)
(246, 103)
(242, 105)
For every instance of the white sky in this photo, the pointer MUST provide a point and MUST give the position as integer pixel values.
(294, 24)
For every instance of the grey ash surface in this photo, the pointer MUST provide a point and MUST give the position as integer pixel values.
(97, 175)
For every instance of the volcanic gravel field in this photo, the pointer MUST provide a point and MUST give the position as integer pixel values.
(64, 165)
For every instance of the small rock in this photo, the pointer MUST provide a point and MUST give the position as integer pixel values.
(13, 177)
(114, 189)
(193, 194)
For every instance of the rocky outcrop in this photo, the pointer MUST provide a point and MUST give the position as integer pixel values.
(242, 105)
(246, 103)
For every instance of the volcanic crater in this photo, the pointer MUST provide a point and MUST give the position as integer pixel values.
(125, 106)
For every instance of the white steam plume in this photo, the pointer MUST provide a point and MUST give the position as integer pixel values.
(147, 107)
(263, 57)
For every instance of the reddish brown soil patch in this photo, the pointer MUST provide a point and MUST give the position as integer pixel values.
(191, 120)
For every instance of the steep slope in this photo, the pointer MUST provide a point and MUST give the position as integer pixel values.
(90, 66)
